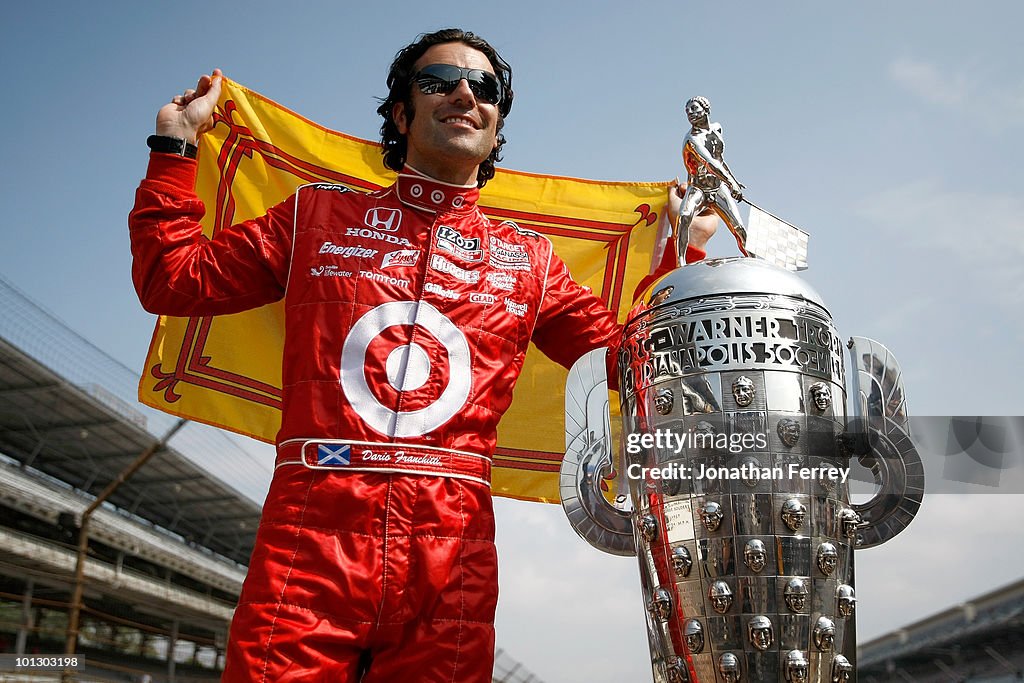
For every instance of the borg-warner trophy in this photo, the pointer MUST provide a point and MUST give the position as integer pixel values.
(736, 451)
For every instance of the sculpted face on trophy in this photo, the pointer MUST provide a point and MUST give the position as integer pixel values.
(743, 391)
(661, 605)
(749, 465)
(821, 396)
(755, 555)
(796, 595)
(795, 667)
(663, 401)
(729, 667)
(721, 596)
(694, 635)
(824, 634)
(789, 431)
(711, 515)
(828, 558)
(704, 435)
(847, 601)
(760, 632)
(793, 514)
(676, 668)
(649, 528)
(681, 561)
(849, 520)
(842, 670)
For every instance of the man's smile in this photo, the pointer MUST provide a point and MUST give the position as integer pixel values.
(461, 120)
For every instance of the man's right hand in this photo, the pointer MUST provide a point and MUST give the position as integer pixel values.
(190, 114)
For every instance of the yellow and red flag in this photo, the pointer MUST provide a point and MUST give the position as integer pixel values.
(226, 371)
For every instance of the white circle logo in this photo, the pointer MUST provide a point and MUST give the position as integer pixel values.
(407, 368)
(416, 190)
(437, 196)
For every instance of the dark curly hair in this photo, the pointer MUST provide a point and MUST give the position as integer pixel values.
(399, 87)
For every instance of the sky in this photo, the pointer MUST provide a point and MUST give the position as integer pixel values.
(891, 132)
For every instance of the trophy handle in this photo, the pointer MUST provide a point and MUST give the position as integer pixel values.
(880, 408)
(588, 459)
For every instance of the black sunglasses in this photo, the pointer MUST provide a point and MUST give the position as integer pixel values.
(442, 79)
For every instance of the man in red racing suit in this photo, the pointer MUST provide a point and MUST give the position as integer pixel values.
(407, 319)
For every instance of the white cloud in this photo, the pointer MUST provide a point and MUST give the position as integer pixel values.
(948, 269)
(927, 81)
(995, 106)
(975, 232)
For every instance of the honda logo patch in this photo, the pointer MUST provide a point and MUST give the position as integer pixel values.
(382, 218)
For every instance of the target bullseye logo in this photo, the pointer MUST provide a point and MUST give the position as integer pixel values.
(407, 368)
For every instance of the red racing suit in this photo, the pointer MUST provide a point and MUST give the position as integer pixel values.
(407, 319)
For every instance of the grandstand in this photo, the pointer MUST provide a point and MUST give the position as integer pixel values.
(166, 552)
(166, 549)
(981, 640)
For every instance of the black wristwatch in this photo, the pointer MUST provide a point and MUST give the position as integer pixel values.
(169, 145)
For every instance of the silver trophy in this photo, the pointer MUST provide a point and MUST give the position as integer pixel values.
(732, 475)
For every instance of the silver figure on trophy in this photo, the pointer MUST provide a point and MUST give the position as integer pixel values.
(711, 186)
(710, 183)
(739, 428)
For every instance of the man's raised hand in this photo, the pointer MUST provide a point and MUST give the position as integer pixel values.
(190, 114)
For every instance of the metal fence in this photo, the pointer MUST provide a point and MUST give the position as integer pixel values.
(41, 335)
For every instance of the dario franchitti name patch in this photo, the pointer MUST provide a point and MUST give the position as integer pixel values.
(465, 248)
(508, 256)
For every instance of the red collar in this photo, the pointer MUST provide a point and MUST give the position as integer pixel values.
(422, 192)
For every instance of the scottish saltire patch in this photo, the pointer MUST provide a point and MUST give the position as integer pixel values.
(333, 455)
